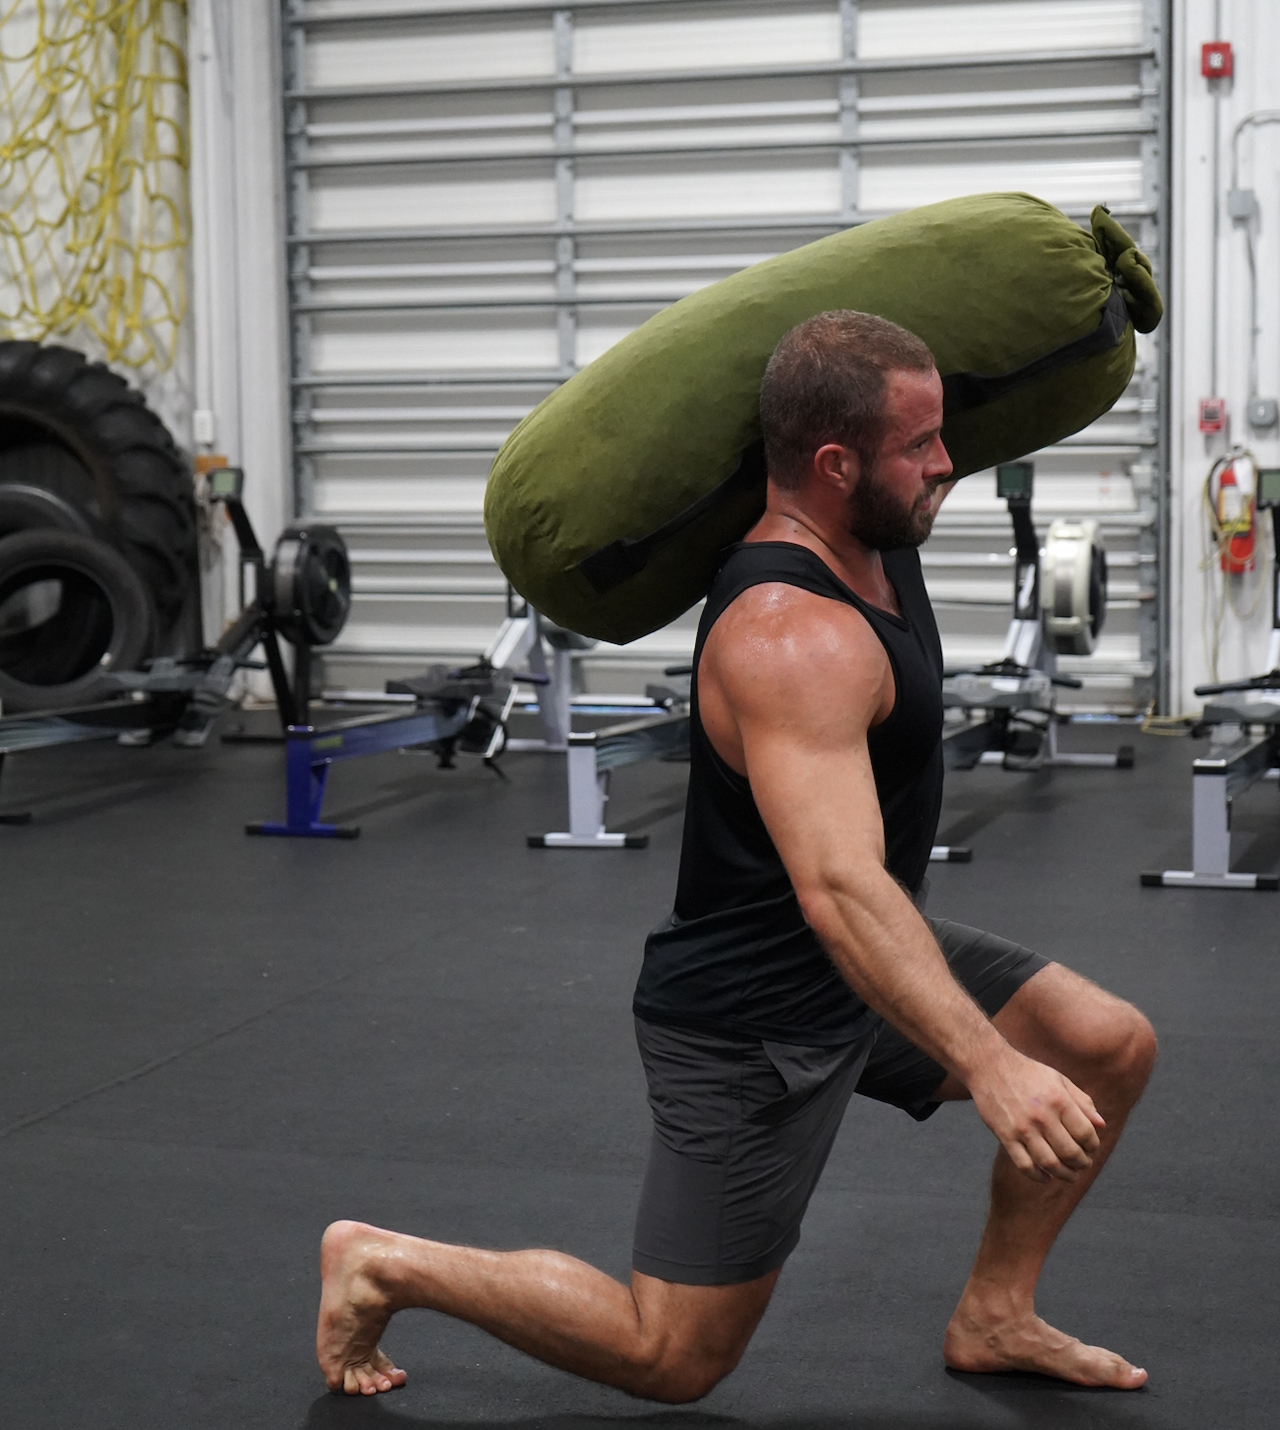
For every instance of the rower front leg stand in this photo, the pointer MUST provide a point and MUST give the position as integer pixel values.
(588, 797)
(306, 773)
(17, 816)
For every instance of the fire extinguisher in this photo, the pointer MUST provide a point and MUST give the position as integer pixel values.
(1231, 505)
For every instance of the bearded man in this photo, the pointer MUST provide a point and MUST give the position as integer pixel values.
(797, 967)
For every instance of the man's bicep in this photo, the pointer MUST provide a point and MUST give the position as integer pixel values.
(802, 678)
(819, 805)
(804, 742)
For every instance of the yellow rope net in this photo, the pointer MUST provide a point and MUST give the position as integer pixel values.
(93, 158)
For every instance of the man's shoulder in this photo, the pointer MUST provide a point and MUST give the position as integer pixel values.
(776, 640)
(780, 609)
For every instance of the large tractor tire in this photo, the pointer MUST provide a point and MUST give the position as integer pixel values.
(81, 451)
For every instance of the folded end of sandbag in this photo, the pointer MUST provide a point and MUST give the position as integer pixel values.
(1131, 269)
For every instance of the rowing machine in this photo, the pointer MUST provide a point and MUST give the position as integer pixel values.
(1007, 709)
(302, 593)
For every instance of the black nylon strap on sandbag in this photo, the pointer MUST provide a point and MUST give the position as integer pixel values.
(962, 391)
(615, 563)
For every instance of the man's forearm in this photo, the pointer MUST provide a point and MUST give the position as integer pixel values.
(886, 952)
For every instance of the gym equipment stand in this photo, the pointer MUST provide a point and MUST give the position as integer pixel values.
(1237, 759)
(593, 754)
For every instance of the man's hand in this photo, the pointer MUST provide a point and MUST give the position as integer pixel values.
(1048, 1127)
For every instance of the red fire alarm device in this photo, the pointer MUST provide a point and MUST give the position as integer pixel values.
(1213, 414)
(1215, 60)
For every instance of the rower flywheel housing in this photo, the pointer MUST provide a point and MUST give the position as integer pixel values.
(1074, 586)
(310, 581)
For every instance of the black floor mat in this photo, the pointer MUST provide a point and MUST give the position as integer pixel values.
(211, 1046)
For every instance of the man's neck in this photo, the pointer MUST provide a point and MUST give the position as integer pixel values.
(857, 565)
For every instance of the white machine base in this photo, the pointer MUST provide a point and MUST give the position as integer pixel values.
(1189, 879)
(950, 854)
(601, 840)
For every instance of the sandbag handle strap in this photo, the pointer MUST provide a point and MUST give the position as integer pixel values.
(962, 391)
(615, 563)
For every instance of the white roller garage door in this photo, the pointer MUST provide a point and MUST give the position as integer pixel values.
(483, 197)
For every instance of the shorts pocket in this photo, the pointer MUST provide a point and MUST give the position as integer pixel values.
(798, 1074)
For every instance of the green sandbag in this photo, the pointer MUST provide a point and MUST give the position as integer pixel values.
(607, 506)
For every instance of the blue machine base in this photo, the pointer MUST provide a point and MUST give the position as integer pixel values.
(305, 831)
(309, 753)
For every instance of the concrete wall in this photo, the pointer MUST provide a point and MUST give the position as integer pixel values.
(1210, 351)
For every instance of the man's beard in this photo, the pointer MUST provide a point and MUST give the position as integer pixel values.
(878, 518)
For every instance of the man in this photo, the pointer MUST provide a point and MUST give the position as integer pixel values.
(796, 967)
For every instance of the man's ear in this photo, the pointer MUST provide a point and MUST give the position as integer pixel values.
(837, 466)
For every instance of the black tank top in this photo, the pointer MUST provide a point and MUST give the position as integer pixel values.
(736, 955)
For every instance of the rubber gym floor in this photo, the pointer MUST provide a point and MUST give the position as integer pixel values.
(214, 1045)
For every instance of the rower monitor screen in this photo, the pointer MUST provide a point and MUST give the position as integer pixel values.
(226, 484)
(1269, 486)
(1013, 479)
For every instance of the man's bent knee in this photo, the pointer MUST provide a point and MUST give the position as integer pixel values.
(1135, 1045)
(693, 1336)
(678, 1378)
(1092, 1035)
(1116, 1039)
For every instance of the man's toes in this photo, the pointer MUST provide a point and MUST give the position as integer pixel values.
(355, 1381)
(390, 1376)
(370, 1379)
(1101, 1367)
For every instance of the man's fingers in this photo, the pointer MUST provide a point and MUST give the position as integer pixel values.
(1068, 1147)
(1021, 1159)
(1086, 1105)
(1046, 1157)
(1034, 1158)
(1080, 1127)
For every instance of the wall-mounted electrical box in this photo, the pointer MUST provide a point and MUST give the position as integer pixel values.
(1242, 204)
(1263, 412)
(1216, 60)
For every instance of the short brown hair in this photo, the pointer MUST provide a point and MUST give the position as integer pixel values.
(826, 382)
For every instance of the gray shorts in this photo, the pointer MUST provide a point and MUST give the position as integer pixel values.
(743, 1127)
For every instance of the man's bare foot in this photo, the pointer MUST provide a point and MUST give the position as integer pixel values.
(982, 1342)
(354, 1311)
